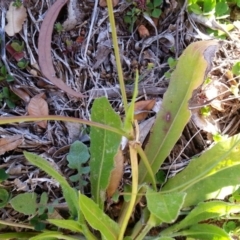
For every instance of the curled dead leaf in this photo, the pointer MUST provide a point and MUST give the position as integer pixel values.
(143, 31)
(38, 107)
(142, 109)
(10, 143)
(44, 49)
(103, 3)
(116, 174)
(15, 17)
(21, 93)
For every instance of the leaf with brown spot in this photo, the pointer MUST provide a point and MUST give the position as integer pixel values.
(44, 49)
(116, 174)
(142, 109)
(10, 143)
(15, 17)
(38, 107)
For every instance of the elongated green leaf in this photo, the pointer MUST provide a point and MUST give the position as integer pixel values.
(69, 193)
(98, 219)
(17, 235)
(67, 224)
(189, 74)
(198, 179)
(217, 186)
(104, 146)
(165, 207)
(25, 203)
(52, 236)
(206, 232)
(4, 197)
(204, 211)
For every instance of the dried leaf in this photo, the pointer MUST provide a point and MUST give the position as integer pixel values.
(116, 174)
(15, 17)
(103, 3)
(10, 143)
(38, 107)
(143, 31)
(142, 108)
(44, 49)
(21, 93)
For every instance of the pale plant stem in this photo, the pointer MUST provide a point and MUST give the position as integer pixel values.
(16, 224)
(117, 55)
(7, 120)
(147, 165)
(134, 164)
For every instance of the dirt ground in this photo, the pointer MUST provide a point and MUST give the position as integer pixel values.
(82, 56)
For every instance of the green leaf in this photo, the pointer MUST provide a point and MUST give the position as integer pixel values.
(3, 175)
(174, 114)
(103, 148)
(221, 8)
(236, 69)
(43, 203)
(4, 197)
(77, 156)
(157, 3)
(195, 9)
(25, 203)
(204, 211)
(166, 207)
(69, 193)
(71, 225)
(156, 13)
(208, 5)
(17, 46)
(51, 235)
(97, 219)
(208, 176)
(206, 232)
(217, 186)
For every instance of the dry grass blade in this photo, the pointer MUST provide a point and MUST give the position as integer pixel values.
(44, 48)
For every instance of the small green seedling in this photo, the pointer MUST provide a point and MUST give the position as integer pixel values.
(4, 74)
(218, 137)
(58, 27)
(236, 69)
(22, 64)
(205, 111)
(18, 46)
(9, 97)
(153, 8)
(17, 3)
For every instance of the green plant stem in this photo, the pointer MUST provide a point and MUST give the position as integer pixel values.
(149, 225)
(134, 164)
(16, 224)
(147, 165)
(117, 55)
(9, 120)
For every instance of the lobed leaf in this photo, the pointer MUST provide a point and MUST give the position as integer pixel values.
(25, 203)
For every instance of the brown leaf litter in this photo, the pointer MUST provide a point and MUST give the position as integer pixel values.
(75, 64)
